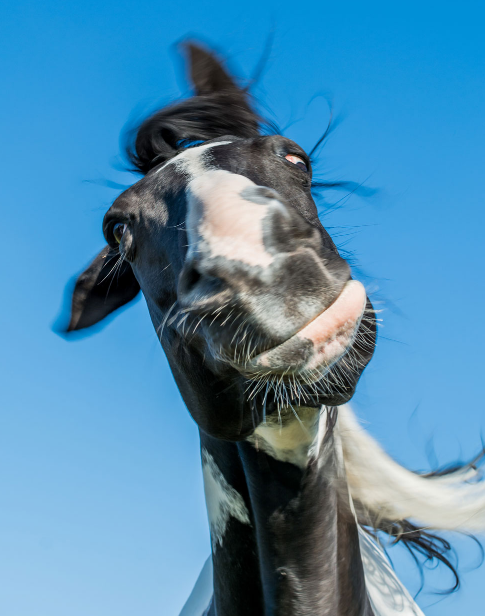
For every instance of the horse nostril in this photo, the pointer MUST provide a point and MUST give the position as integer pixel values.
(196, 286)
(189, 278)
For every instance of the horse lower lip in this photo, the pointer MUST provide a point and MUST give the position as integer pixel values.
(320, 343)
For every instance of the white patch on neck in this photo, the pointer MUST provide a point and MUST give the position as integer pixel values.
(387, 595)
(191, 161)
(286, 437)
(222, 500)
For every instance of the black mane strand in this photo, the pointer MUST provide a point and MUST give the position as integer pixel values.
(220, 107)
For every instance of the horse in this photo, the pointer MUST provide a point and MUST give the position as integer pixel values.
(267, 334)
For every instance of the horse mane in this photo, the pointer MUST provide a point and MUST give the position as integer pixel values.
(386, 495)
(219, 108)
(197, 119)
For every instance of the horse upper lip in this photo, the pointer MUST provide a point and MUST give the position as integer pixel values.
(341, 316)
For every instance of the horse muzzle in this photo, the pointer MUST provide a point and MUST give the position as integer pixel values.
(269, 297)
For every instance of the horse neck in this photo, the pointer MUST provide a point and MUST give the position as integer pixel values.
(284, 539)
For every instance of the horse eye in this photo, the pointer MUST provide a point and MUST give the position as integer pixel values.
(118, 231)
(296, 160)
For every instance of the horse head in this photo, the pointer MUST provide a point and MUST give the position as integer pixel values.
(254, 306)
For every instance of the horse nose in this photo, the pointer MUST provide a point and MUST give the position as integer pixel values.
(240, 235)
(229, 217)
(195, 286)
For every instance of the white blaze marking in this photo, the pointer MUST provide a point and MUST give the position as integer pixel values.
(230, 226)
(191, 161)
(222, 500)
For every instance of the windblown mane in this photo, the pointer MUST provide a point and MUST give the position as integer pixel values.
(196, 119)
(218, 108)
(386, 495)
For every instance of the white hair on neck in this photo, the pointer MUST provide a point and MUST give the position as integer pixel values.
(388, 491)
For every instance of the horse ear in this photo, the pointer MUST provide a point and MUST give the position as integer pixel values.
(105, 286)
(207, 72)
(220, 108)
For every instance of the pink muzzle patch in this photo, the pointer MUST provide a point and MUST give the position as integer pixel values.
(228, 225)
(331, 334)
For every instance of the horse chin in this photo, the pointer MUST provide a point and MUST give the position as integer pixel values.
(319, 365)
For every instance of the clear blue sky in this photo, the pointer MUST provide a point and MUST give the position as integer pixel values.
(101, 500)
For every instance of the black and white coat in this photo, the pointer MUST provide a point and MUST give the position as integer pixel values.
(267, 335)
(348, 462)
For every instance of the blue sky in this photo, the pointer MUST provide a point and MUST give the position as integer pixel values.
(101, 500)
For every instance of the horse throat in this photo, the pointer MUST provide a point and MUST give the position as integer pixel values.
(284, 539)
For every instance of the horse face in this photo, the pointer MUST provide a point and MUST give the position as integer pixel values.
(253, 305)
